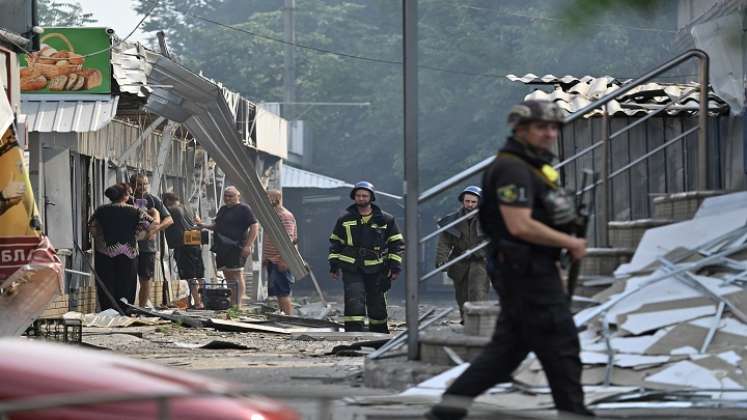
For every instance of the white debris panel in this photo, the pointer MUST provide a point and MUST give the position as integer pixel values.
(673, 320)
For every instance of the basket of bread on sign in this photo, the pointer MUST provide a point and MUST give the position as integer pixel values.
(58, 70)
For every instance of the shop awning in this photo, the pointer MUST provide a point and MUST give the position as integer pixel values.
(68, 113)
(299, 178)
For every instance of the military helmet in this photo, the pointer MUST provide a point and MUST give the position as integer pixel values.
(533, 110)
(472, 189)
(363, 185)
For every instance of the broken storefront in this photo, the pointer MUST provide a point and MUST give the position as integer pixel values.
(82, 142)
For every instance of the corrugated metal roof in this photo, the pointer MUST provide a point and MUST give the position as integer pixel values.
(68, 113)
(129, 68)
(573, 93)
(298, 178)
(533, 79)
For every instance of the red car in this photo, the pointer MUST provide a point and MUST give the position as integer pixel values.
(54, 375)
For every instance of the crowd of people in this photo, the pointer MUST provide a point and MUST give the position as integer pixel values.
(126, 231)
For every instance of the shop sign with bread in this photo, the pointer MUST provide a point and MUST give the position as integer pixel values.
(70, 60)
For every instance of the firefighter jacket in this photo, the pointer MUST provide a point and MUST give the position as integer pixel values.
(366, 245)
(458, 239)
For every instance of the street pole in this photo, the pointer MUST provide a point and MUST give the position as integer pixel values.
(289, 76)
(410, 79)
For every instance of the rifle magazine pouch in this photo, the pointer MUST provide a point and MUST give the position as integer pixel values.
(192, 238)
(560, 206)
(513, 258)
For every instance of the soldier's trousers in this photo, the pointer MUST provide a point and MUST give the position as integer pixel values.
(471, 285)
(548, 331)
(365, 294)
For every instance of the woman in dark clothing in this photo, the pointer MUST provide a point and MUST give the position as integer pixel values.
(117, 227)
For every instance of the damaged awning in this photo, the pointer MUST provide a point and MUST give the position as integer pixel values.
(199, 104)
(68, 113)
(299, 178)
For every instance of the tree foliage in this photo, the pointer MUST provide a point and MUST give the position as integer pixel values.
(62, 13)
(466, 49)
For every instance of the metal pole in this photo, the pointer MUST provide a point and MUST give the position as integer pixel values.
(289, 23)
(162, 44)
(122, 160)
(464, 255)
(316, 286)
(410, 76)
(703, 125)
(449, 225)
(163, 154)
(604, 189)
(289, 67)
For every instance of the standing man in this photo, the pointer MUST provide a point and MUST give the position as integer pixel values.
(235, 229)
(279, 276)
(183, 236)
(525, 212)
(146, 260)
(367, 247)
(469, 275)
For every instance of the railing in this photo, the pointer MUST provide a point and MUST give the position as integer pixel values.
(701, 128)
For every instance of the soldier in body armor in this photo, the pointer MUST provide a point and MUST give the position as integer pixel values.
(526, 213)
(468, 275)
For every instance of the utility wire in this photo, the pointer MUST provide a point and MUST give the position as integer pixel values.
(338, 53)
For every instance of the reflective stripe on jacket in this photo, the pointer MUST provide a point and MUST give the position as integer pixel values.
(367, 247)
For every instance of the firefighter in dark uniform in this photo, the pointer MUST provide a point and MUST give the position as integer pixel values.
(525, 212)
(367, 247)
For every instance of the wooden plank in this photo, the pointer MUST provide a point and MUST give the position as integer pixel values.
(304, 322)
(341, 336)
(228, 325)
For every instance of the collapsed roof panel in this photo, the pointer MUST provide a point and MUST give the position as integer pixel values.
(199, 104)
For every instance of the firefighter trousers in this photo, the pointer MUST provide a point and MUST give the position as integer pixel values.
(365, 294)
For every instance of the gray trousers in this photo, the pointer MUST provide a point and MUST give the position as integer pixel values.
(470, 284)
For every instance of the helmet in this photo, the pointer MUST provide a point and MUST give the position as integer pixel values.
(363, 185)
(534, 110)
(472, 189)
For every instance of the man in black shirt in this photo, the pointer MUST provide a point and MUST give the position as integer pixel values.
(526, 213)
(184, 238)
(146, 263)
(235, 230)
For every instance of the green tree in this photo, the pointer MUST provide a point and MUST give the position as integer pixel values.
(466, 49)
(62, 13)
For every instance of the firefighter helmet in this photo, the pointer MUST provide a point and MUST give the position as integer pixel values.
(363, 185)
(533, 110)
(472, 189)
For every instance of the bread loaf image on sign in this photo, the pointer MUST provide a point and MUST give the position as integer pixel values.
(58, 69)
